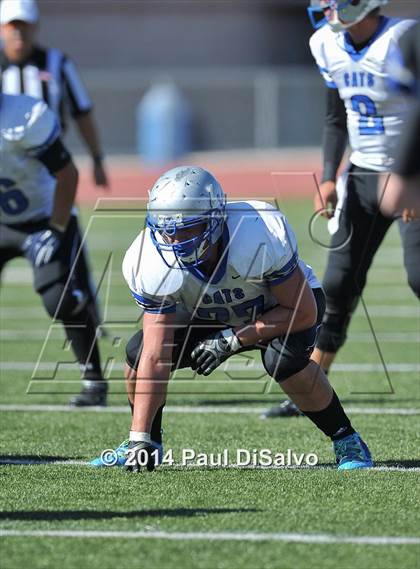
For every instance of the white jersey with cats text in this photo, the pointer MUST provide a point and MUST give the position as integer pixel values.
(259, 251)
(375, 115)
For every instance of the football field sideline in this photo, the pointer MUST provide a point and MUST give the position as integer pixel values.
(192, 466)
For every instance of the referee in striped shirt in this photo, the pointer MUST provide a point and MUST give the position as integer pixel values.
(45, 73)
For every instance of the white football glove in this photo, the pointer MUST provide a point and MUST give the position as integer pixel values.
(213, 351)
(40, 247)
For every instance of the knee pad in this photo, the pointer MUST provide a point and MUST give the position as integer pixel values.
(284, 358)
(133, 349)
(333, 332)
(63, 303)
(282, 366)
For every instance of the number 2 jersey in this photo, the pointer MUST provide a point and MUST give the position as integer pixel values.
(375, 115)
(259, 251)
(27, 130)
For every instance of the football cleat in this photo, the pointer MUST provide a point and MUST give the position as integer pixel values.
(117, 457)
(286, 409)
(352, 452)
(93, 394)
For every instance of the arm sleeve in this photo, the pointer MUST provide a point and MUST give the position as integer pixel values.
(79, 100)
(335, 128)
(334, 135)
(55, 157)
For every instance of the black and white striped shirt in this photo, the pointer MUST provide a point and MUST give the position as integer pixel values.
(50, 75)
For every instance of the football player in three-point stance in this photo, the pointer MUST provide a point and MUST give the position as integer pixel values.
(38, 183)
(215, 279)
(350, 47)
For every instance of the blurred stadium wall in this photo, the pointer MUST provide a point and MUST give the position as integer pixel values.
(244, 65)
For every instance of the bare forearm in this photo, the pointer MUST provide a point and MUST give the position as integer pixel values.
(88, 132)
(276, 322)
(65, 194)
(150, 393)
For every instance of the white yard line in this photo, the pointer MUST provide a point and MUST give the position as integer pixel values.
(229, 366)
(199, 409)
(322, 538)
(192, 466)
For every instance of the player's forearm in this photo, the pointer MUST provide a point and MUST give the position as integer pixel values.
(65, 194)
(278, 321)
(150, 392)
(85, 124)
(335, 137)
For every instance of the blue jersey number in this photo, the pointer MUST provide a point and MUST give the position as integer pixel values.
(369, 121)
(216, 313)
(249, 310)
(12, 201)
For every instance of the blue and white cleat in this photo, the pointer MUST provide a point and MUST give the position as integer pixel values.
(117, 457)
(352, 453)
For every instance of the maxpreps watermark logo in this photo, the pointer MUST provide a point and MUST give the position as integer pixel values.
(226, 458)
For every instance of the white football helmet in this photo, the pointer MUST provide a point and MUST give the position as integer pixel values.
(341, 14)
(185, 198)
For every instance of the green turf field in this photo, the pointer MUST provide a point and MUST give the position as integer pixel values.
(207, 517)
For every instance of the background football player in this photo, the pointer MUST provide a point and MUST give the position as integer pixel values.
(215, 279)
(38, 183)
(350, 48)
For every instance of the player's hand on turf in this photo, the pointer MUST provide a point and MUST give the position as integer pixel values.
(42, 246)
(212, 351)
(326, 199)
(140, 456)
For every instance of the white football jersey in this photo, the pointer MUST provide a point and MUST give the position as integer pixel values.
(259, 250)
(374, 114)
(27, 128)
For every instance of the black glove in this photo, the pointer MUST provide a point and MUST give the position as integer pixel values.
(213, 351)
(141, 455)
(40, 247)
